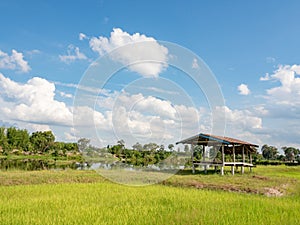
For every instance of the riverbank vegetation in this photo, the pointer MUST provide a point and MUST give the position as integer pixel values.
(39, 150)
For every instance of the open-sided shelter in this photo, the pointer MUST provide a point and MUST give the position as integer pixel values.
(227, 146)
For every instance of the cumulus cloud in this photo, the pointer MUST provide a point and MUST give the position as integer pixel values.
(15, 61)
(82, 36)
(139, 102)
(242, 123)
(243, 89)
(148, 117)
(241, 118)
(288, 92)
(142, 54)
(281, 109)
(33, 105)
(134, 117)
(38, 127)
(151, 118)
(73, 53)
(71, 134)
(86, 116)
(32, 102)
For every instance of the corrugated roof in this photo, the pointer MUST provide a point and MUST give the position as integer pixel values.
(206, 138)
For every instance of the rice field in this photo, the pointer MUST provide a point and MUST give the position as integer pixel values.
(83, 197)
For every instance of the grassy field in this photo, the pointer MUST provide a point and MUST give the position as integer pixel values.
(83, 197)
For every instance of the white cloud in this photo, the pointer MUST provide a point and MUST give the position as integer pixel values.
(195, 64)
(159, 90)
(86, 116)
(134, 117)
(241, 119)
(32, 102)
(82, 36)
(265, 78)
(145, 118)
(242, 124)
(281, 109)
(65, 95)
(270, 59)
(288, 92)
(15, 61)
(137, 51)
(38, 127)
(140, 103)
(73, 53)
(89, 89)
(33, 52)
(70, 136)
(243, 89)
(260, 110)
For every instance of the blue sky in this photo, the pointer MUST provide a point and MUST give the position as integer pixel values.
(240, 41)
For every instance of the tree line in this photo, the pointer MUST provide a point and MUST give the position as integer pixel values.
(21, 142)
(291, 154)
(138, 155)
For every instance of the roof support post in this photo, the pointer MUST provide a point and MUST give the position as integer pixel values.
(192, 151)
(243, 155)
(203, 152)
(223, 161)
(233, 155)
(204, 158)
(250, 156)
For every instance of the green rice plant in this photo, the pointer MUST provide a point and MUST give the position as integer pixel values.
(83, 197)
(108, 203)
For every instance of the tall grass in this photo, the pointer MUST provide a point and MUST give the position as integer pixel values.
(108, 203)
(83, 197)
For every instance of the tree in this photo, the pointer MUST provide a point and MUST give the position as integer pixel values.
(18, 139)
(161, 148)
(269, 152)
(186, 148)
(138, 147)
(119, 149)
(121, 143)
(151, 147)
(62, 148)
(83, 144)
(42, 141)
(291, 153)
(3, 139)
(170, 147)
(198, 151)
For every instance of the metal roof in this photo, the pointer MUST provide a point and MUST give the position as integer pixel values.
(208, 138)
